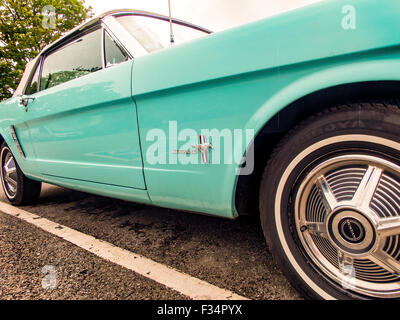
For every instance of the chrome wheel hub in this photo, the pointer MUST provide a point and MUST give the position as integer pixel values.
(351, 231)
(348, 219)
(9, 173)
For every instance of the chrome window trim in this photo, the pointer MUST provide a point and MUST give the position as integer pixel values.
(117, 41)
(39, 65)
(31, 66)
(68, 41)
(123, 37)
(108, 21)
(27, 75)
(160, 17)
(133, 47)
(107, 32)
(103, 47)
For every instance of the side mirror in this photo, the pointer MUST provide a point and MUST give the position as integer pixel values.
(24, 101)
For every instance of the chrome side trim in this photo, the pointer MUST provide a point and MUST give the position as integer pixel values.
(16, 141)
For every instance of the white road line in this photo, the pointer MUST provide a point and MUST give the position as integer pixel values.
(185, 284)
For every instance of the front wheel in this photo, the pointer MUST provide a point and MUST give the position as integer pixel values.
(18, 189)
(330, 203)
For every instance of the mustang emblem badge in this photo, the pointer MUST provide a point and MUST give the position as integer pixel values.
(203, 148)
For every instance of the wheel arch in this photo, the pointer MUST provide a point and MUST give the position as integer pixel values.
(273, 130)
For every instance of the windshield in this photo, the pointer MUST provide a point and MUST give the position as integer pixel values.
(154, 34)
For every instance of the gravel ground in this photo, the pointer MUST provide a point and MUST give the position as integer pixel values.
(25, 250)
(229, 254)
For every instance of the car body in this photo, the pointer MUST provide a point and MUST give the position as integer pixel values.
(93, 133)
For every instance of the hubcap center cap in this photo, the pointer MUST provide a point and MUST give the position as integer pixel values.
(351, 230)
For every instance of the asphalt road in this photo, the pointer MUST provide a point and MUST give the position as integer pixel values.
(228, 254)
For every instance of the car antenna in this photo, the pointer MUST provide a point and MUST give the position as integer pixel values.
(172, 40)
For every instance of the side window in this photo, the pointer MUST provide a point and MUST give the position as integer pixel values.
(33, 87)
(113, 53)
(76, 59)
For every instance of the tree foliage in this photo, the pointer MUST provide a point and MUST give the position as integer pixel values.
(23, 34)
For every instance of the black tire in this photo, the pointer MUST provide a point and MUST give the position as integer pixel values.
(357, 131)
(22, 191)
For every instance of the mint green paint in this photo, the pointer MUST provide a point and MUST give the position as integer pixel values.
(85, 129)
(235, 79)
(242, 77)
(122, 193)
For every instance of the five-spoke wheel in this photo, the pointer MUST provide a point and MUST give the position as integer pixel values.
(330, 203)
(347, 212)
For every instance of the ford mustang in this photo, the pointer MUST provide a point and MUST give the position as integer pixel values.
(295, 117)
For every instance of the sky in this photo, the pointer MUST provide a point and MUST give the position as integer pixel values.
(212, 14)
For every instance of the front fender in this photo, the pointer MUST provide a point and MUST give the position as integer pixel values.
(347, 73)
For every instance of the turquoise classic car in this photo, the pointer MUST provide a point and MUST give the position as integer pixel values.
(295, 117)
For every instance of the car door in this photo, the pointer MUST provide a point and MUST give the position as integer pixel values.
(179, 112)
(83, 121)
(15, 116)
